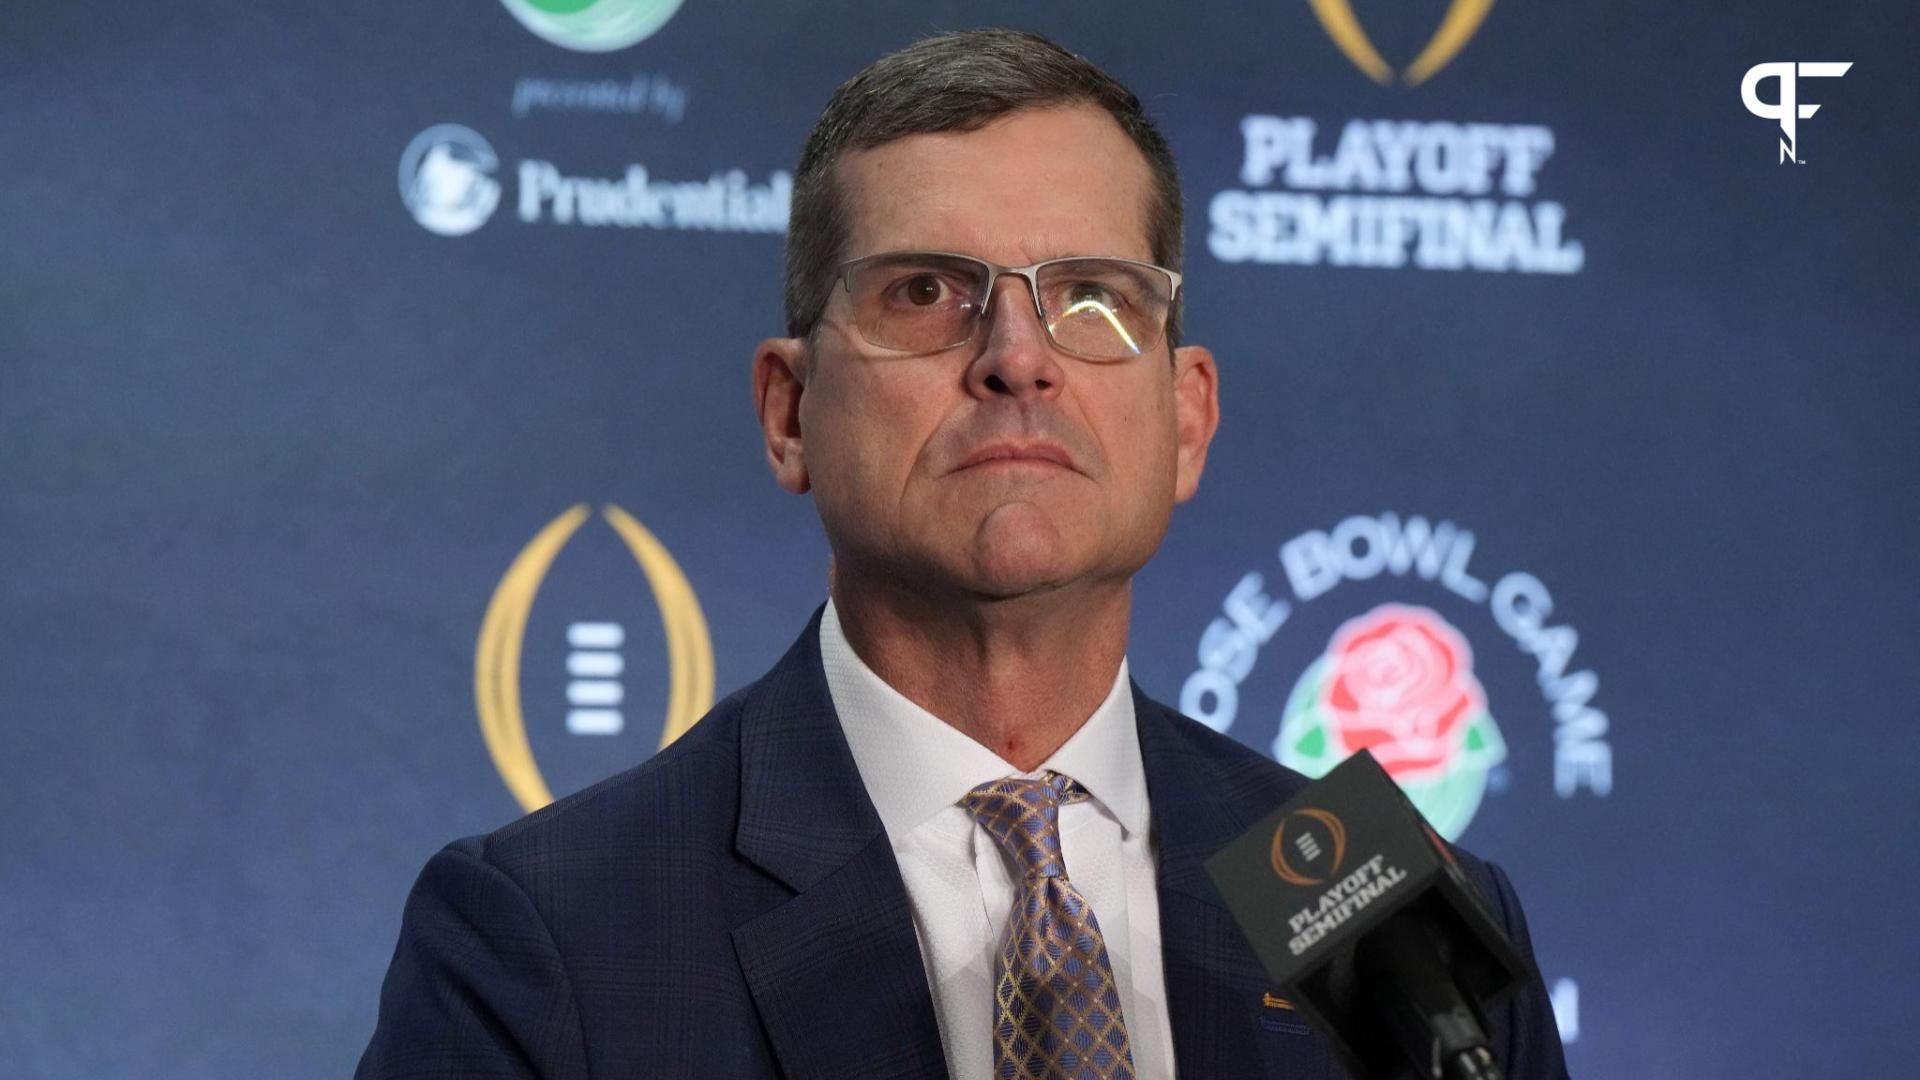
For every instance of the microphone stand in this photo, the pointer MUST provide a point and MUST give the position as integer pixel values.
(1402, 965)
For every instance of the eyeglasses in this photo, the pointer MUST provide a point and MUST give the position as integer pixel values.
(1095, 307)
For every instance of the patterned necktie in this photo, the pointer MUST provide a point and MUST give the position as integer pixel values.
(1057, 1012)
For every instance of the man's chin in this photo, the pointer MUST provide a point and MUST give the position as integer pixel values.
(1008, 571)
(1015, 586)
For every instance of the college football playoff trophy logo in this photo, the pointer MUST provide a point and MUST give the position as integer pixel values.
(496, 662)
(1456, 28)
(1309, 846)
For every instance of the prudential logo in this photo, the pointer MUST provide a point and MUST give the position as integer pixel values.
(593, 25)
(1786, 107)
(446, 179)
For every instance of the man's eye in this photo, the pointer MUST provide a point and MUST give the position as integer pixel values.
(923, 289)
(1093, 294)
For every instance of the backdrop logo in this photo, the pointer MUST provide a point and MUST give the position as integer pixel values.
(1428, 194)
(1425, 194)
(1786, 108)
(496, 663)
(1456, 28)
(593, 25)
(1398, 681)
(446, 179)
(447, 183)
(1309, 846)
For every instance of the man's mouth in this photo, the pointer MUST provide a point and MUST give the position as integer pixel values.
(1018, 453)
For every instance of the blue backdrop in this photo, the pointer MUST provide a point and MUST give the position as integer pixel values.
(377, 455)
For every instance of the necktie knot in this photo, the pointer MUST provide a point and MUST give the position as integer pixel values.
(1023, 815)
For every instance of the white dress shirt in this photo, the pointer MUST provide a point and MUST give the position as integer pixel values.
(960, 881)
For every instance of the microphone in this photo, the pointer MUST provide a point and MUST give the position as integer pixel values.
(1359, 909)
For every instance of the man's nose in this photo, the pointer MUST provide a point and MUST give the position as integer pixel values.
(1016, 359)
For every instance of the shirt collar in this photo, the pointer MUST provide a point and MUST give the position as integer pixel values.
(915, 765)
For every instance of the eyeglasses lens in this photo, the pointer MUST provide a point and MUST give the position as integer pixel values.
(1103, 309)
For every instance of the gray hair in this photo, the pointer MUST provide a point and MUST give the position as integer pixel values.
(954, 82)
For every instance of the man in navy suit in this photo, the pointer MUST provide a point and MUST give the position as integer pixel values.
(983, 388)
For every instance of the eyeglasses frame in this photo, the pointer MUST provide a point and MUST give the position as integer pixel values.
(843, 273)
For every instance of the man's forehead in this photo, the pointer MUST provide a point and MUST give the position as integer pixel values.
(1033, 184)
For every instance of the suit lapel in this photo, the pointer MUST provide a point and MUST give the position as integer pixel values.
(835, 971)
(1217, 992)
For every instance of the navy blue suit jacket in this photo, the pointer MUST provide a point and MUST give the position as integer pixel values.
(732, 908)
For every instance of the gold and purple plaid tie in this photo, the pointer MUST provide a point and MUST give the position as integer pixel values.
(1057, 1011)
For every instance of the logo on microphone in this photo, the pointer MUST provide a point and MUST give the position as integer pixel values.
(1309, 846)
(1786, 107)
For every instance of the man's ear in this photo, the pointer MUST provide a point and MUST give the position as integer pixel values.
(779, 378)
(1196, 410)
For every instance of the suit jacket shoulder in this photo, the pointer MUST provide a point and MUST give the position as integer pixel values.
(702, 913)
